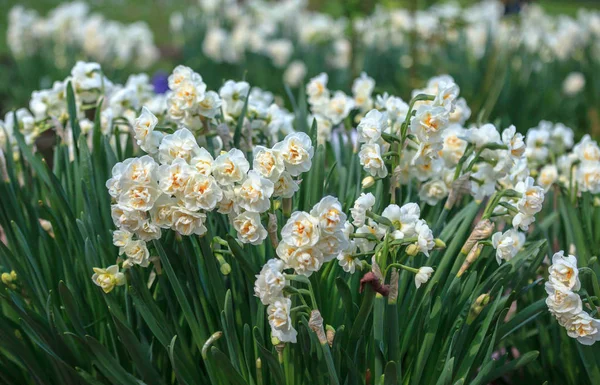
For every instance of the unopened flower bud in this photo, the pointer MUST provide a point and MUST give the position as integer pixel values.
(412, 250)
(596, 202)
(275, 341)
(316, 324)
(224, 266)
(477, 307)
(483, 229)
(439, 243)
(368, 182)
(330, 331)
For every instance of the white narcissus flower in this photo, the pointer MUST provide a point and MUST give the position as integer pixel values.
(331, 244)
(268, 162)
(297, 152)
(429, 122)
(255, 193)
(362, 204)
(484, 135)
(562, 302)
(404, 219)
(563, 271)
(423, 275)
(329, 214)
(537, 141)
(433, 191)
(138, 197)
(302, 229)
(233, 95)
(108, 278)
(366, 245)
(148, 231)
(588, 177)
(371, 160)
(338, 107)
(425, 241)
(137, 254)
(127, 218)
(547, 176)
(180, 144)
(587, 150)
(530, 203)
(285, 186)
(584, 328)
(316, 89)
(144, 125)
(187, 222)
(249, 228)
(270, 282)
(305, 260)
(453, 145)
(280, 320)
(371, 126)
(514, 141)
(202, 162)
(121, 238)
(172, 178)
(507, 244)
(210, 105)
(295, 73)
(347, 260)
(201, 192)
(141, 171)
(230, 167)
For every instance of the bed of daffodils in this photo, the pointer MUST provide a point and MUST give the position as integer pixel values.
(329, 227)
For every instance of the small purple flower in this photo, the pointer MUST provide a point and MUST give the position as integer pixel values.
(160, 81)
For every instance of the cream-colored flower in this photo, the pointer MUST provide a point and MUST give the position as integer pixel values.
(329, 214)
(507, 244)
(270, 282)
(202, 162)
(144, 125)
(187, 222)
(584, 328)
(280, 320)
(255, 193)
(285, 186)
(371, 160)
(302, 229)
(563, 271)
(137, 254)
(173, 178)
(108, 278)
(268, 162)
(249, 228)
(230, 167)
(423, 275)
(180, 144)
(297, 152)
(201, 192)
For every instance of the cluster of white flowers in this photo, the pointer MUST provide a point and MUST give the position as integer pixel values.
(181, 182)
(556, 159)
(70, 27)
(48, 108)
(310, 239)
(565, 304)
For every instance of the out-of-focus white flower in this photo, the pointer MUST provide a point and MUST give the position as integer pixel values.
(317, 91)
(573, 83)
(507, 244)
(433, 191)
(371, 126)
(587, 150)
(423, 276)
(484, 135)
(233, 95)
(530, 203)
(230, 167)
(281, 322)
(563, 271)
(362, 204)
(108, 278)
(302, 229)
(249, 228)
(588, 177)
(371, 160)
(210, 105)
(547, 176)
(255, 192)
(270, 282)
(297, 152)
(295, 73)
